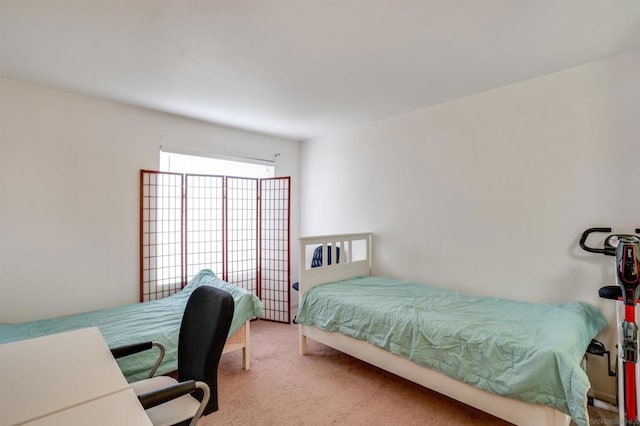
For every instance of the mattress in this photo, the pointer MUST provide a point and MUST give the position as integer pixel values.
(526, 351)
(157, 321)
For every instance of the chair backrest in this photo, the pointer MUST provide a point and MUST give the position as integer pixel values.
(316, 260)
(203, 333)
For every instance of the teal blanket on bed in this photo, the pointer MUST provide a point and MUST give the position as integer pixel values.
(521, 350)
(157, 321)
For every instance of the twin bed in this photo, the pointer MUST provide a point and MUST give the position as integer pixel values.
(157, 321)
(516, 360)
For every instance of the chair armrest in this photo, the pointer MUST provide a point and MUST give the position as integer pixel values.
(166, 394)
(134, 348)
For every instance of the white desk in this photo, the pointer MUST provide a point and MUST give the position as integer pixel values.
(49, 375)
(120, 408)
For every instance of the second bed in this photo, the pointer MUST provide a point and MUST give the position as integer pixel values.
(157, 321)
(518, 360)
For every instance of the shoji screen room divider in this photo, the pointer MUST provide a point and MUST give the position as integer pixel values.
(237, 227)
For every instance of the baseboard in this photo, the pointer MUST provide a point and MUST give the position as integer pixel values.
(603, 396)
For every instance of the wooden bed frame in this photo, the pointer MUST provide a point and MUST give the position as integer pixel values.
(240, 340)
(355, 260)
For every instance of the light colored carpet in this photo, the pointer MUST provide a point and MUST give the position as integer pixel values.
(598, 416)
(325, 387)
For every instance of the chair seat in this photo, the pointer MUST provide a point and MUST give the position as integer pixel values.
(174, 411)
(169, 413)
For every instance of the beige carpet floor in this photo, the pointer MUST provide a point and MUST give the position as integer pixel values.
(325, 387)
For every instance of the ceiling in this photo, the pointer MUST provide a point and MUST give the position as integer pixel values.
(302, 68)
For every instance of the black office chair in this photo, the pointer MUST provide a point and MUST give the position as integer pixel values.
(203, 333)
(316, 259)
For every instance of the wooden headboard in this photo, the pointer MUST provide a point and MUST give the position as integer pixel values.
(354, 258)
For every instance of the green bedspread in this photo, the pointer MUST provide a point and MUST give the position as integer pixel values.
(521, 350)
(158, 321)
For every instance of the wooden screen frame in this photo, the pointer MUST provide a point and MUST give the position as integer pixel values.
(278, 307)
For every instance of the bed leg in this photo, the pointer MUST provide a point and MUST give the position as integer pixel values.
(246, 358)
(303, 342)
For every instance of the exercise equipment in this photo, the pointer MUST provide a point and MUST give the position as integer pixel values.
(626, 249)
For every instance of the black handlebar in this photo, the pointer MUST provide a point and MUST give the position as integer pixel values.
(609, 251)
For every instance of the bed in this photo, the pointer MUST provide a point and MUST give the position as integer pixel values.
(157, 320)
(525, 369)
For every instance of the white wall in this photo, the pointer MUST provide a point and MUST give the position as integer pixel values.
(69, 194)
(489, 194)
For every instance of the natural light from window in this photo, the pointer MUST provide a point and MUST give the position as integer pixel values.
(195, 164)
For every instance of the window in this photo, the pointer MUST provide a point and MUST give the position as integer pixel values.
(195, 164)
